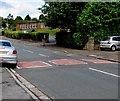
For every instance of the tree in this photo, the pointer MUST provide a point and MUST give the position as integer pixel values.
(99, 19)
(18, 18)
(27, 17)
(41, 17)
(4, 24)
(62, 14)
(10, 21)
(34, 19)
(10, 16)
(1, 18)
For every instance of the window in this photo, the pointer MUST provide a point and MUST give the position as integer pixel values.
(30, 26)
(106, 39)
(35, 25)
(118, 38)
(20, 26)
(115, 39)
(5, 44)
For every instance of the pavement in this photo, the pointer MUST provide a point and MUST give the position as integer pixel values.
(113, 56)
(10, 88)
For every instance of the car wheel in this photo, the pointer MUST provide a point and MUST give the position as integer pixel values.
(13, 66)
(113, 48)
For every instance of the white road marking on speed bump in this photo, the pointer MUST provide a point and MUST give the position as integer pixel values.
(18, 67)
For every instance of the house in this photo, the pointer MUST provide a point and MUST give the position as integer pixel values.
(29, 25)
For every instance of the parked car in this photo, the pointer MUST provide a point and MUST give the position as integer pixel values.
(8, 54)
(112, 42)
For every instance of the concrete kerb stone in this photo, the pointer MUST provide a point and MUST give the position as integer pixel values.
(39, 94)
(109, 59)
(29, 85)
(35, 90)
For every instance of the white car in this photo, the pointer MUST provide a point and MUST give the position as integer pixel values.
(112, 42)
(8, 54)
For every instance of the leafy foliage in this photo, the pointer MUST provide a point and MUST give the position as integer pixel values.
(62, 14)
(27, 17)
(18, 18)
(10, 21)
(96, 19)
(4, 24)
(99, 19)
(34, 19)
(80, 39)
(65, 39)
(37, 35)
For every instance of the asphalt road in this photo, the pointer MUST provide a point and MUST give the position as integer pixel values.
(67, 76)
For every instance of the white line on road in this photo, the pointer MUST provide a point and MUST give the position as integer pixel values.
(27, 51)
(56, 52)
(43, 55)
(100, 71)
(46, 63)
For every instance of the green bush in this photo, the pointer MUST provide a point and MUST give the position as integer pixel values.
(33, 36)
(2, 32)
(80, 39)
(25, 36)
(38, 36)
(66, 39)
(18, 35)
(99, 20)
(51, 32)
(8, 33)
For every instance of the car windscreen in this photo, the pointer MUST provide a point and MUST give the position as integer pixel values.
(106, 39)
(5, 44)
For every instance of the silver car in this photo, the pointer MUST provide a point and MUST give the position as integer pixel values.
(8, 54)
(112, 42)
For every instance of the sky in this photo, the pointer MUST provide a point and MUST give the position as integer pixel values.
(20, 8)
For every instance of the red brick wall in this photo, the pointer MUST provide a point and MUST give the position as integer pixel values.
(17, 26)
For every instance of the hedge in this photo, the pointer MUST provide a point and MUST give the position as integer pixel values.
(67, 39)
(30, 35)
